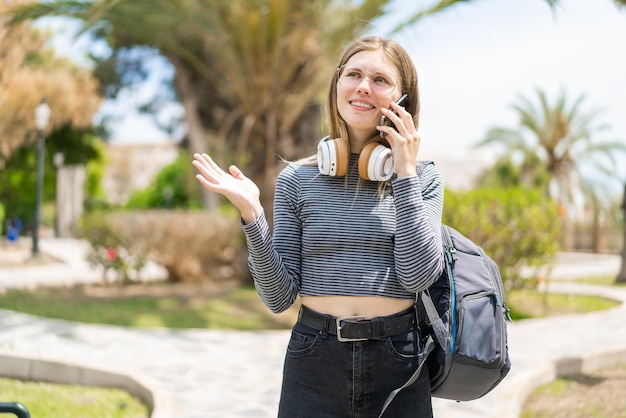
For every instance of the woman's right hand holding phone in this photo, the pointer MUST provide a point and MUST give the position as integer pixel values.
(242, 192)
(402, 138)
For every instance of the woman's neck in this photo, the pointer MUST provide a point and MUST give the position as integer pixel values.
(358, 139)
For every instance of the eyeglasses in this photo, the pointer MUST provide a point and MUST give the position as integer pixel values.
(381, 82)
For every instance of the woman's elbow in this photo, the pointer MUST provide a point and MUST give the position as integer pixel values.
(278, 306)
(426, 276)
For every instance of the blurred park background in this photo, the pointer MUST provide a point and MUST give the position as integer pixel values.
(102, 104)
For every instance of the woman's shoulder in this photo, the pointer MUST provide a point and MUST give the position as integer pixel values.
(305, 167)
(428, 169)
(298, 172)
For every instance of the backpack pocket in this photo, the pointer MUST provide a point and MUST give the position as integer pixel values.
(479, 333)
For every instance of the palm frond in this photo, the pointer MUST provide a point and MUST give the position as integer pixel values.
(620, 3)
(441, 6)
(36, 10)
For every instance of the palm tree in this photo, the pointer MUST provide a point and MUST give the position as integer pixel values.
(562, 136)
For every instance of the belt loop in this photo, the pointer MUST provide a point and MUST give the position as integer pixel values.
(377, 328)
(324, 330)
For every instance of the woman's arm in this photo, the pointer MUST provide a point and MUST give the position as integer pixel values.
(418, 248)
(275, 268)
(275, 261)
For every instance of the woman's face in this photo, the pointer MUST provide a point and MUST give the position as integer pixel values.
(368, 81)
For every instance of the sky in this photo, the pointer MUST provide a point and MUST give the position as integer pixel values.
(475, 59)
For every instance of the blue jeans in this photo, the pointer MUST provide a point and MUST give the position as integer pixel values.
(325, 378)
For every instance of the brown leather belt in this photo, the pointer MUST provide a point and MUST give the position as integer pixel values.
(357, 328)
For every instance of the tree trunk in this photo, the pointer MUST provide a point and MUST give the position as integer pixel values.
(195, 129)
(268, 175)
(568, 232)
(598, 232)
(621, 277)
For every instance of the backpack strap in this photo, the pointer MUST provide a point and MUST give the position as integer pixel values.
(428, 348)
(448, 246)
(434, 320)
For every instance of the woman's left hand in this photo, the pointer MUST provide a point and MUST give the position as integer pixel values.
(404, 140)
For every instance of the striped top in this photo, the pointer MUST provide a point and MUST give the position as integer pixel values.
(340, 236)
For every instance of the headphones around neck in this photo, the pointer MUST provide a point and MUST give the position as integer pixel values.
(375, 159)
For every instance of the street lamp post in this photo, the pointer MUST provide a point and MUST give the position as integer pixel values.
(58, 159)
(42, 116)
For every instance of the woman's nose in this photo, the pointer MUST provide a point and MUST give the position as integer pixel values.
(364, 86)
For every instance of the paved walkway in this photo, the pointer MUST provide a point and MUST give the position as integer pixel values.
(210, 373)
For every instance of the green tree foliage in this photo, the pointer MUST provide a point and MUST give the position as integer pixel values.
(2, 216)
(17, 179)
(506, 173)
(518, 227)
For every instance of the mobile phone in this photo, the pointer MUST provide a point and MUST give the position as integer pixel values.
(384, 121)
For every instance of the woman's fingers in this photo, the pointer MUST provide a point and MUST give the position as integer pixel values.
(405, 131)
(404, 140)
(236, 172)
(403, 121)
(241, 191)
(205, 164)
(210, 174)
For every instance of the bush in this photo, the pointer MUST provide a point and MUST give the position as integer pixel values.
(517, 227)
(193, 246)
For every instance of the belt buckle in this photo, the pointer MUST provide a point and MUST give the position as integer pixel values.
(353, 318)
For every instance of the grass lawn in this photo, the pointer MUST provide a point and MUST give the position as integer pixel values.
(46, 400)
(595, 395)
(182, 308)
(599, 281)
(525, 304)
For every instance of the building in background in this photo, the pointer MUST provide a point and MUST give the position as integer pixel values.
(134, 166)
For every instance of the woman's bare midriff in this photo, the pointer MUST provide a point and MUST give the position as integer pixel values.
(368, 306)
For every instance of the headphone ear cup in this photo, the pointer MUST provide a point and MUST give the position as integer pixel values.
(376, 162)
(333, 156)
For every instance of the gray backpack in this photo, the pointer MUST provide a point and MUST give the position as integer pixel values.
(463, 319)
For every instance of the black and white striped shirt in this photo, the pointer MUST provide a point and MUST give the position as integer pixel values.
(340, 236)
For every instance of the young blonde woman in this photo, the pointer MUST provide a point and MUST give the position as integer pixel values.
(356, 236)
